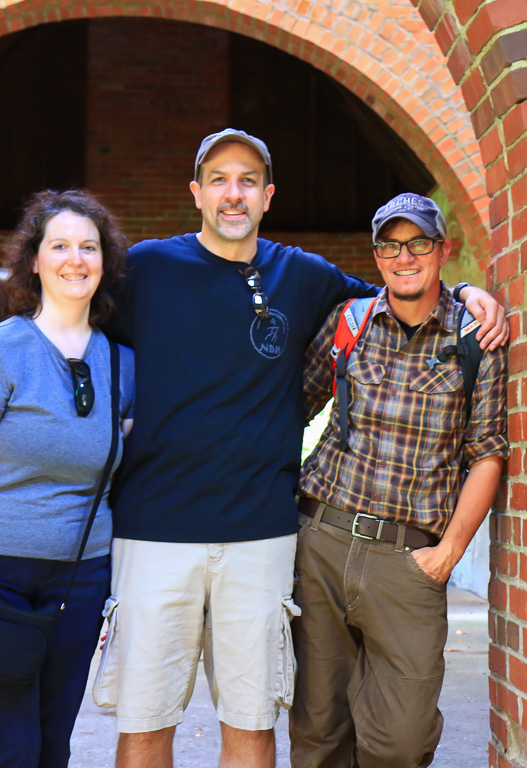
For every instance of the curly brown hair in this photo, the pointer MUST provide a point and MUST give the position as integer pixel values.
(23, 285)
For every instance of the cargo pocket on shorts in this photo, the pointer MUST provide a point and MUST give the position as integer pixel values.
(105, 686)
(286, 656)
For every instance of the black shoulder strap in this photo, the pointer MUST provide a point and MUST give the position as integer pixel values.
(467, 349)
(114, 444)
(342, 402)
(470, 353)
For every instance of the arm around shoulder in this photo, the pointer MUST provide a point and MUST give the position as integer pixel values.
(494, 330)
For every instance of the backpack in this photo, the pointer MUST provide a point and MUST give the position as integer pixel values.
(351, 324)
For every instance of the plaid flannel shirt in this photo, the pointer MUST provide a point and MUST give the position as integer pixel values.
(409, 440)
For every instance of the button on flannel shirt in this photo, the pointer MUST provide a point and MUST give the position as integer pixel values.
(409, 439)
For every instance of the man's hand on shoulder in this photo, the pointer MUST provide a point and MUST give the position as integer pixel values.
(494, 330)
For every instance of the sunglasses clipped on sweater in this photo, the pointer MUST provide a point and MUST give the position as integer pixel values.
(260, 301)
(83, 392)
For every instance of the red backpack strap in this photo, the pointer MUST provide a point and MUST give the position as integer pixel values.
(351, 324)
(342, 338)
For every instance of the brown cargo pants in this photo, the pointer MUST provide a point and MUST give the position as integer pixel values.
(369, 647)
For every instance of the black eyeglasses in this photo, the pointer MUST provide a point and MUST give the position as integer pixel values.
(417, 246)
(83, 392)
(259, 299)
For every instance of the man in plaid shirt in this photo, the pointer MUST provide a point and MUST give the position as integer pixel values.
(384, 521)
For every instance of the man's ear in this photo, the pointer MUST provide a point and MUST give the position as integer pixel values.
(196, 191)
(268, 192)
(446, 247)
(377, 261)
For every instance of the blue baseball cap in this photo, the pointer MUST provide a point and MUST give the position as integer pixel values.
(420, 210)
(232, 134)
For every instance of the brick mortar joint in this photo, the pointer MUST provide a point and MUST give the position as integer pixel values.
(510, 688)
(519, 654)
(448, 10)
(514, 67)
(501, 156)
(514, 753)
(521, 375)
(508, 546)
(498, 746)
(476, 60)
(498, 123)
(499, 33)
(520, 138)
(508, 581)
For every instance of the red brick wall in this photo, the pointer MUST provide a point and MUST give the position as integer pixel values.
(144, 127)
(486, 44)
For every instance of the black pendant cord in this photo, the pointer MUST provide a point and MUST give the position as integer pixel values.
(114, 366)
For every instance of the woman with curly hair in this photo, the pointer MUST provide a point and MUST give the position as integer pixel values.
(66, 258)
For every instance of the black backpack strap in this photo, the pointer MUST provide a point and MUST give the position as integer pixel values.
(112, 453)
(467, 349)
(470, 353)
(342, 392)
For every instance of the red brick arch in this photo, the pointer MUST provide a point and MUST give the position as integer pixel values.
(386, 57)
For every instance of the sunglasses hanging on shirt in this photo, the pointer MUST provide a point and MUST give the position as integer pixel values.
(260, 301)
(83, 392)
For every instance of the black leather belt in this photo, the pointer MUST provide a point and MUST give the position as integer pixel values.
(367, 526)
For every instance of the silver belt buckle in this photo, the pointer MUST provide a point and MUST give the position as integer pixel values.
(362, 535)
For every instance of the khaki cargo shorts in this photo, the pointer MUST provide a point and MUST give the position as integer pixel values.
(169, 602)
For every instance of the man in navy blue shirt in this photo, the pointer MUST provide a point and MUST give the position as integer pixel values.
(205, 516)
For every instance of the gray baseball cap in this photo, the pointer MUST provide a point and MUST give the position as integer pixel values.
(231, 134)
(417, 209)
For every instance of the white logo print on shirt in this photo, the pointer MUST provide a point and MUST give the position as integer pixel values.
(269, 336)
